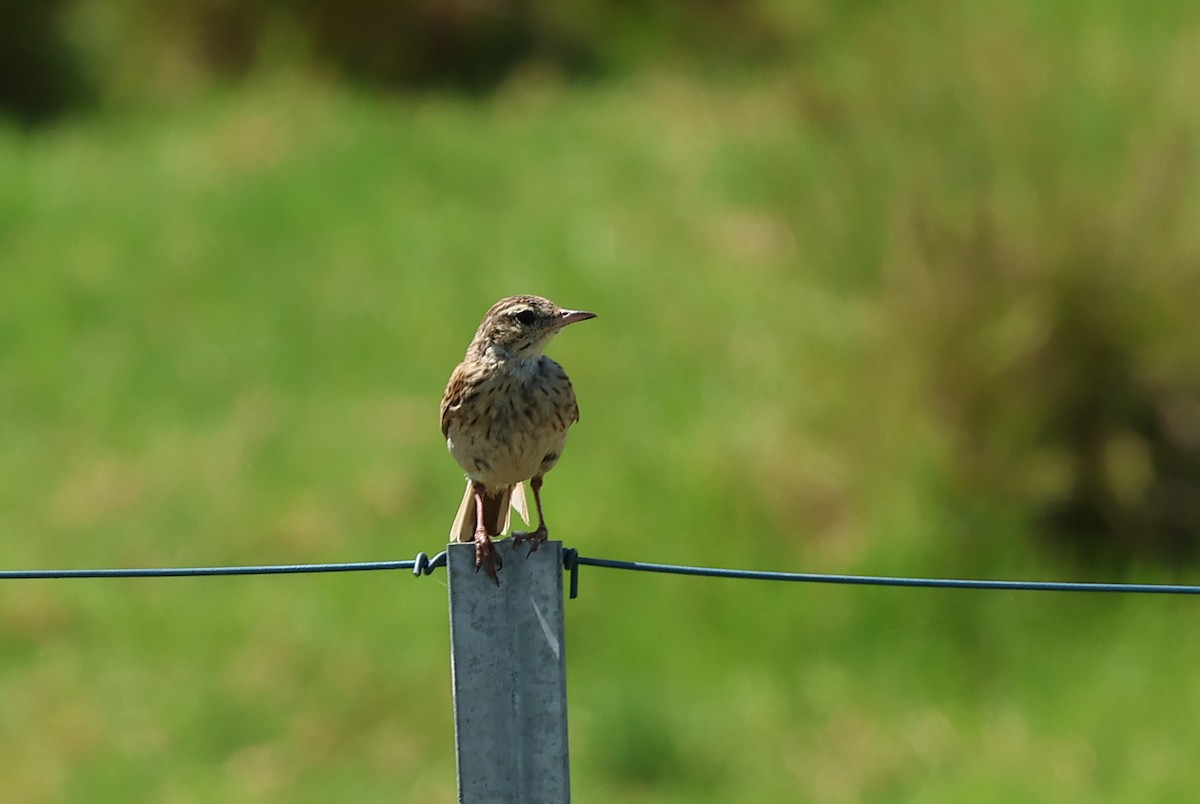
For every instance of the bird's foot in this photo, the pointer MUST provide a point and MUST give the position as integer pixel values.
(535, 537)
(486, 556)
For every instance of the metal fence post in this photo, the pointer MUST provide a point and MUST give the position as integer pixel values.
(509, 677)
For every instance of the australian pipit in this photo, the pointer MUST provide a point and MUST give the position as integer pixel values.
(505, 416)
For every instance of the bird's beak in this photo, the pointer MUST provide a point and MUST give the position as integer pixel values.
(571, 316)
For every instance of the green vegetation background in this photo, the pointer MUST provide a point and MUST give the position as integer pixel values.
(825, 292)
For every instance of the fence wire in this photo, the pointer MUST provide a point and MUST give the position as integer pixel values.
(572, 561)
(421, 565)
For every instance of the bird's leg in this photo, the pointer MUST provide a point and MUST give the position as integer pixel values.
(538, 536)
(485, 552)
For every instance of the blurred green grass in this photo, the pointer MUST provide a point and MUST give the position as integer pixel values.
(226, 326)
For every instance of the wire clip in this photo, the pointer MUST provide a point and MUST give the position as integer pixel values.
(424, 565)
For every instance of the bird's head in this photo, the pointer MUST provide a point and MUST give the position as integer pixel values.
(520, 326)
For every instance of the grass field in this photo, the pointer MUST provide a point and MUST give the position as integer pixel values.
(225, 327)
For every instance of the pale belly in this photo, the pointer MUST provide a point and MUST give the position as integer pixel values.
(498, 462)
(520, 431)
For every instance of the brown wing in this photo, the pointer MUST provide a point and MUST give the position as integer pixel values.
(457, 390)
(574, 402)
(562, 390)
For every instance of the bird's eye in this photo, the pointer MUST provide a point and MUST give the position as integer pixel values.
(525, 317)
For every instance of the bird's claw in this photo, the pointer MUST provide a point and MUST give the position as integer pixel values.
(535, 537)
(487, 557)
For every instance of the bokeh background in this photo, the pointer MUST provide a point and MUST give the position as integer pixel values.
(882, 287)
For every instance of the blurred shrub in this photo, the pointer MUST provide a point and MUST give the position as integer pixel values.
(1066, 376)
(1040, 263)
(39, 74)
(469, 45)
(140, 48)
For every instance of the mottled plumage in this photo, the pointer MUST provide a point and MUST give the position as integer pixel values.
(505, 416)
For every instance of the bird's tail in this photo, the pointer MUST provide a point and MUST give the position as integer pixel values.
(495, 512)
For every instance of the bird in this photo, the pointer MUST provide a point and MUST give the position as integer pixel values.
(505, 415)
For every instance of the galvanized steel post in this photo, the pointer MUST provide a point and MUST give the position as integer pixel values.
(509, 677)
